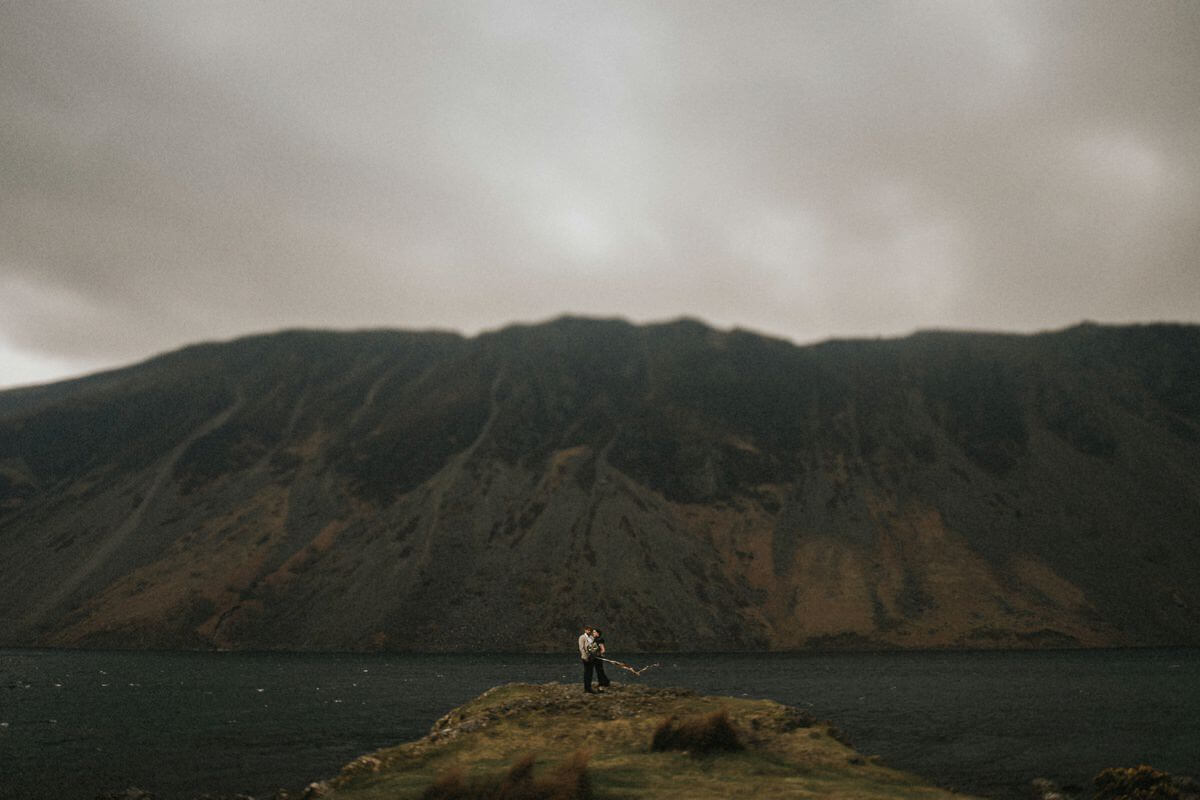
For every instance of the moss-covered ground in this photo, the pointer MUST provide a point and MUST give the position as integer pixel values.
(784, 752)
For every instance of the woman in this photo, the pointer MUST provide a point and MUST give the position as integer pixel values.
(598, 638)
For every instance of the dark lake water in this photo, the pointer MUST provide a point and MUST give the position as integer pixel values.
(73, 724)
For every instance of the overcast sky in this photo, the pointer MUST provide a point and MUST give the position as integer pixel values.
(180, 171)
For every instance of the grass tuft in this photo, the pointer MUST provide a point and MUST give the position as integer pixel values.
(700, 733)
(569, 781)
(1134, 783)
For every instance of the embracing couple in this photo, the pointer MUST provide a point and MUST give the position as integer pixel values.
(591, 652)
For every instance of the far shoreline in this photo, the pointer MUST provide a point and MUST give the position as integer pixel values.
(568, 651)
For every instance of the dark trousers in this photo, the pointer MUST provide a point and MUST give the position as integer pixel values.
(590, 667)
(601, 678)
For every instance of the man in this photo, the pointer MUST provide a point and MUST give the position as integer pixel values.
(588, 650)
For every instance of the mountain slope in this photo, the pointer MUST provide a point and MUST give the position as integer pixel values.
(687, 488)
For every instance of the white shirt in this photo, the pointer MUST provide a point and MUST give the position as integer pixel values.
(585, 642)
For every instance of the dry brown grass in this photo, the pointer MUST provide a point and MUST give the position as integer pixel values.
(699, 733)
(1142, 782)
(568, 781)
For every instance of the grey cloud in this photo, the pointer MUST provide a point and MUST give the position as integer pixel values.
(176, 171)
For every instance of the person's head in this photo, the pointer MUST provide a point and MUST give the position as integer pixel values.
(596, 633)
(587, 629)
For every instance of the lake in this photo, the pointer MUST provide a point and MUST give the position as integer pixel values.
(73, 724)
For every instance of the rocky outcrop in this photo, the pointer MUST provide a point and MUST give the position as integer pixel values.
(606, 743)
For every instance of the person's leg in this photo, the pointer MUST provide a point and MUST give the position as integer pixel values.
(601, 678)
(587, 675)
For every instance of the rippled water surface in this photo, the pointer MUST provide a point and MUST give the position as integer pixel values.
(73, 724)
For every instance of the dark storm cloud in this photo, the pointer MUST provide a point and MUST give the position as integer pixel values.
(179, 171)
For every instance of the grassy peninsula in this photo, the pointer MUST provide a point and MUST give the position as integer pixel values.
(553, 741)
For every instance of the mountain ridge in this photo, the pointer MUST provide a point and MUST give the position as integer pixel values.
(689, 487)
